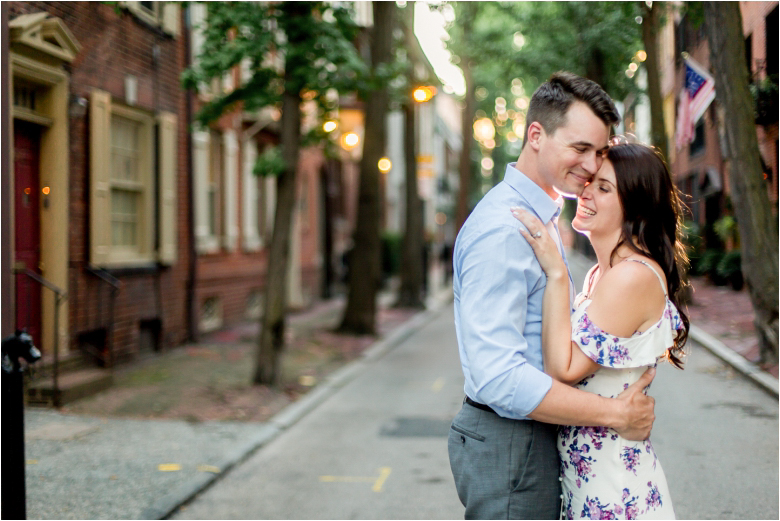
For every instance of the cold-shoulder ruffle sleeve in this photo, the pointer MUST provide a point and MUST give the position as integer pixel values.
(642, 349)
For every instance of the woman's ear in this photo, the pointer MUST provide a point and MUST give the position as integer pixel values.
(534, 135)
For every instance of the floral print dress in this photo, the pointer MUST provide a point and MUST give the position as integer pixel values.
(603, 475)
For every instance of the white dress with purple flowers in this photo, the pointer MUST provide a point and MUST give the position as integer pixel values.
(605, 476)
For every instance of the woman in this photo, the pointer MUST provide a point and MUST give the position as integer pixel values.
(624, 321)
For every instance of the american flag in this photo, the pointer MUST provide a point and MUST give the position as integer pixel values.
(697, 95)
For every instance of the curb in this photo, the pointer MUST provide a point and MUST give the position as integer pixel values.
(168, 504)
(750, 370)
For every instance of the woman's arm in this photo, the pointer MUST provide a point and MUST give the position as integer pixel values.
(563, 360)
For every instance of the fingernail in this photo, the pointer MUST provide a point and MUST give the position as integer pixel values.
(515, 209)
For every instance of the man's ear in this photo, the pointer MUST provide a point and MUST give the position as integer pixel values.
(534, 135)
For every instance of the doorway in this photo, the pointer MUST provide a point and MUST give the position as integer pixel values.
(27, 227)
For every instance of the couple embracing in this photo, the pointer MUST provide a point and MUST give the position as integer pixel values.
(556, 420)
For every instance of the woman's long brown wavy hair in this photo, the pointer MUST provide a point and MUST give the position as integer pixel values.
(652, 221)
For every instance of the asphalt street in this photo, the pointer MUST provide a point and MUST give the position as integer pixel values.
(377, 448)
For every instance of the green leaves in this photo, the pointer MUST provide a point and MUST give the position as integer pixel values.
(270, 163)
(297, 46)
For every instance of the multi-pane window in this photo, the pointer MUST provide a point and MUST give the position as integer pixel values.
(127, 188)
(124, 180)
(212, 187)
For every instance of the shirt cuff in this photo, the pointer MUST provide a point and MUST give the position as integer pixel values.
(534, 386)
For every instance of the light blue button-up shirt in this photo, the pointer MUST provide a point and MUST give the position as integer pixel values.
(498, 286)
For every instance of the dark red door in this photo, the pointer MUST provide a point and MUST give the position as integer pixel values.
(27, 228)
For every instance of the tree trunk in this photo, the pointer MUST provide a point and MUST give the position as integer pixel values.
(364, 260)
(467, 121)
(272, 323)
(757, 225)
(410, 292)
(650, 25)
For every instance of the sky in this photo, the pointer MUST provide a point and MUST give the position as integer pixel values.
(429, 29)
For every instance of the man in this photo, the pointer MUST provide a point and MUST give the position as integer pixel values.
(502, 442)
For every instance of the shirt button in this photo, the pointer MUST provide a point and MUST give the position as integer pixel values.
(560, 479)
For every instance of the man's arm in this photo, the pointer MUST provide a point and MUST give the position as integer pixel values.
(631, 414)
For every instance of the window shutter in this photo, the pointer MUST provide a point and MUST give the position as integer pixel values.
(201, 143)
(251, 238)
(170, 18)
(167, 153)
(100, 173)
(230, 180)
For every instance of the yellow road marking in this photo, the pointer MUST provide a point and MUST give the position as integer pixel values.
(383, 473)
(346, 479)
(378, 482)
(437, 385)
(168, 467)
(208, 468)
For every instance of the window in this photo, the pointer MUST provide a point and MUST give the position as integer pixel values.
(216, 198)
(127, 188)
(210, 314)
(157, 14)
(697, 145)
(771, 43)
(125, 181)
(212, 186)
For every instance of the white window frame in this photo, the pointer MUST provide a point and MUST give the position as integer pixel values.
(252, 241)
(205, 241)
(163, 14)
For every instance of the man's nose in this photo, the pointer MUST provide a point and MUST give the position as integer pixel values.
(592, 163)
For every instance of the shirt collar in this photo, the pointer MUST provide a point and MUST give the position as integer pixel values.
(541, 203)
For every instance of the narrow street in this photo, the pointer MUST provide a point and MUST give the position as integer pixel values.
(377, 449)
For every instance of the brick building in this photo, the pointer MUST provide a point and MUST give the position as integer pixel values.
(100, 184)
(698, 167)
(234, 207)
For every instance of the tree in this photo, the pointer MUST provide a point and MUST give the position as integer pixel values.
(651, 23)
(757, 226)
(410, 292)
(313, 39)
(364, 259)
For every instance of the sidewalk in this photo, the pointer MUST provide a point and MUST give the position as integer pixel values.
(172, 424)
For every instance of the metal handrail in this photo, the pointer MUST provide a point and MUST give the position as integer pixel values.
(60, 295)
(116, 284)
(105, 276)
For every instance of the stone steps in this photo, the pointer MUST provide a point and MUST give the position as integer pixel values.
(73, 385)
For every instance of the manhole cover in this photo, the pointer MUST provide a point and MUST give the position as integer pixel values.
(416, 427)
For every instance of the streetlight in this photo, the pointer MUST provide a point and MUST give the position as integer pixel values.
(349, 140)
(484, 129)
(423, 93)
(385, 165)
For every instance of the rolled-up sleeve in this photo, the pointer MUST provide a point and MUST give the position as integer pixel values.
(497, 273)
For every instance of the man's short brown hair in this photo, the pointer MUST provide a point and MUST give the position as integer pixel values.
(551, 101)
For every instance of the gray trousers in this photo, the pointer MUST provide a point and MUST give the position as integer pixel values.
(504, 469)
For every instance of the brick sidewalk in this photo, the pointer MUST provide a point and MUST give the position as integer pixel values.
(727, 315)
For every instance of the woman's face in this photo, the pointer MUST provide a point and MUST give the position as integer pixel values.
(598, 208)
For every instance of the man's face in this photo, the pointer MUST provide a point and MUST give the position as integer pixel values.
(571, 156)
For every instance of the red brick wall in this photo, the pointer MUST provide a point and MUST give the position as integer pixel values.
(113, 45)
